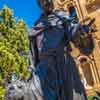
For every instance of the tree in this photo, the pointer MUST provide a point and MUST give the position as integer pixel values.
(14, 47)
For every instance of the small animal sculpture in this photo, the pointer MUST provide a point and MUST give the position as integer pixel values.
(20, 90)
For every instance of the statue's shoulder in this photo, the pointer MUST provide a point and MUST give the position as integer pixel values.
(37, 28)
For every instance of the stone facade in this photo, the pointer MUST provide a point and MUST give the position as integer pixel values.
(89, 66)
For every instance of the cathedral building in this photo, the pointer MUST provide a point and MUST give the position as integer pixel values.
(88, 66)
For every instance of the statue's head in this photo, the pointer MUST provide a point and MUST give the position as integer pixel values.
(46, 5)
(16, 90)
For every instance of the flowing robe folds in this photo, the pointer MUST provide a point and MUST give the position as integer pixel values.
(57, 76)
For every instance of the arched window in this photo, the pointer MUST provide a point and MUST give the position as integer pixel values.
(85, 65)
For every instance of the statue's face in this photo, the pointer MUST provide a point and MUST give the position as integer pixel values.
(16, 90)
(47, 7)
(22, 90)
(42, 3)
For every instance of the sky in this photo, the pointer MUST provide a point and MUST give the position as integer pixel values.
(27, 10)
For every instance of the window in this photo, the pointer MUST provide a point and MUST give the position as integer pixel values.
(92, 5)
(85, 65)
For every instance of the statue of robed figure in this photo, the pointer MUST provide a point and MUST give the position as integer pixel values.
(57, 73)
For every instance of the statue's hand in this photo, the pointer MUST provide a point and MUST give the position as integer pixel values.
(83, 39)
(87, 28)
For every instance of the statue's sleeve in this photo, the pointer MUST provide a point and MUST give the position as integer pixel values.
(36, 29)
(33, 37)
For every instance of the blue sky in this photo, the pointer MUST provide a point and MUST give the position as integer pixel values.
(25, 9)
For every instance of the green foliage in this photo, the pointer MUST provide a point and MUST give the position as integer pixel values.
(2, 92)
(14, 47)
